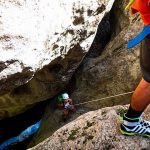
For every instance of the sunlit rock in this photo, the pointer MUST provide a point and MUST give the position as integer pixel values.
(36, 33)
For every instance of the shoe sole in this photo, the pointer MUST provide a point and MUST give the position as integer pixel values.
(127, 133)
(132, 134)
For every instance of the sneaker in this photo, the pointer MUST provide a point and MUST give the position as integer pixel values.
(135, 126)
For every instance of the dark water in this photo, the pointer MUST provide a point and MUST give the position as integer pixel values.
(13, 126)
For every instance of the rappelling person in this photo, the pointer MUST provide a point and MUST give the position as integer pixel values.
(65, 103)
(132, 120)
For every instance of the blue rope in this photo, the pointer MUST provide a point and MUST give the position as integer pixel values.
(22, 136)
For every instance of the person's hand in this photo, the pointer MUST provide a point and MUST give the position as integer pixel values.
(68, 100)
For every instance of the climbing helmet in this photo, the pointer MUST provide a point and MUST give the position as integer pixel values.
(65, 96)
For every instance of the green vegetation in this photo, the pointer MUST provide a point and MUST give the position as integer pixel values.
(89, 124)
(73, 133)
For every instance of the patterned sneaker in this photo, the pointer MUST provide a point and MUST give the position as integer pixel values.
(135, 126)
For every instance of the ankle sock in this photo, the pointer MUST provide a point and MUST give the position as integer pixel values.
(131, 118)
(130, 122)
(131, 113)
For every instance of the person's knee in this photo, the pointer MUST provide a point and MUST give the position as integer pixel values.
(146, 86)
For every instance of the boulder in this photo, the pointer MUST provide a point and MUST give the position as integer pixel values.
(42, 43)
(96, 130)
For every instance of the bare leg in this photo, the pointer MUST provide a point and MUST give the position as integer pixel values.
(141, 97)
(132, 120)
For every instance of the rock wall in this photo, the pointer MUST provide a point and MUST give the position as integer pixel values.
(37, 33)
(116, 69)
(38, 60)
(108, 69)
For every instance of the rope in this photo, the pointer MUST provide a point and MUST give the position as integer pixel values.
(129, 4)
(105, 98)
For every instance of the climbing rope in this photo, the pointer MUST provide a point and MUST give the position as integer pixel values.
(129, 4)
(94, 100)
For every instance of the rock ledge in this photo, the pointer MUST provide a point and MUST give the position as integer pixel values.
(95, 130)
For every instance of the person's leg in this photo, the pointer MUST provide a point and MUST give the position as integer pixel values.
(65, 114)
(140, 100)
(141, 97)
(132, 123)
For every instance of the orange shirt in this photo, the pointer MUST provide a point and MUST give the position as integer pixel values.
(143, 7)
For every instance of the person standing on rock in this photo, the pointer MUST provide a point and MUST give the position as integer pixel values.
(132, 121)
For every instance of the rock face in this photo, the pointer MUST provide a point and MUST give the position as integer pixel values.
(96, 130)
(116, 70)
(35, 33)
(108, 69)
